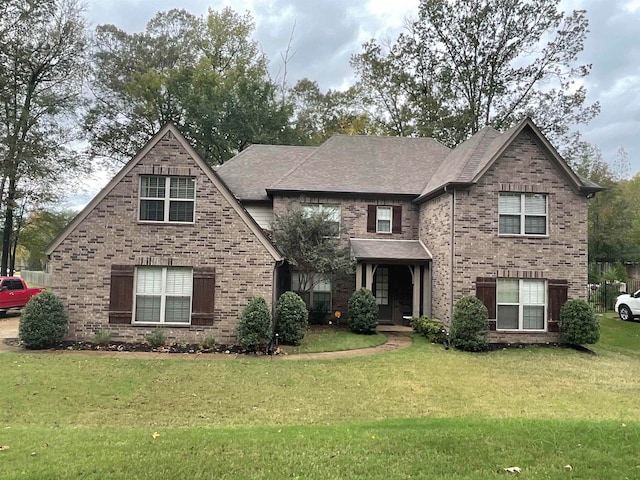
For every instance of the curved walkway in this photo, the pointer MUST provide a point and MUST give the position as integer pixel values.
(397, 338)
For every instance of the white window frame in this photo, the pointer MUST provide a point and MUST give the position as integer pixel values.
(522, 214)
(163, 294)
(522, 303)
(334, 213)
(167, 198)
(384, 208)
(321, 285)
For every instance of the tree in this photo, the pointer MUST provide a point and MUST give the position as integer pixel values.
(468, 64)
(204, 74)
(308, 241)
(40, 228)
(42, 59)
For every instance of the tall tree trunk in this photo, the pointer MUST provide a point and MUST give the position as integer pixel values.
(8, 226)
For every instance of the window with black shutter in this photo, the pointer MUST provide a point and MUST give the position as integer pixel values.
(204, 283)
(121, 295)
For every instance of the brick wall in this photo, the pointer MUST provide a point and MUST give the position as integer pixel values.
(110, 234)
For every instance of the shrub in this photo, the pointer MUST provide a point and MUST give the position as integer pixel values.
(43, 321)
(469, 326)
(578, 323)
(363, 311)
(157, 338)
(102, 337)
(431, 328)
(209, 342)
(254, 328)
(292, 318)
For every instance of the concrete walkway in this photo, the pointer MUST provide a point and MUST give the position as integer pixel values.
(397, 338)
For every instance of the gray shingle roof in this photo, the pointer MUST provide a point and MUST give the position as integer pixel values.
(366, 164)
(373, 249)
(249, 173)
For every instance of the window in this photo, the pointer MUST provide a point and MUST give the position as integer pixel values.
(167, 199)
(332, 213)
(318, 296)
(522, 214)
(521, 304)
(163, 294)
(382, 286)
(384, 217)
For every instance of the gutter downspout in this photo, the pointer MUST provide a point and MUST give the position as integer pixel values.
(453, 250)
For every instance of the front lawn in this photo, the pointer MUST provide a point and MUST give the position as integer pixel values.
(333, 338)
(420, 412)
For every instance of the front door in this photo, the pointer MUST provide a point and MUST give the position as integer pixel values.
(393, 289)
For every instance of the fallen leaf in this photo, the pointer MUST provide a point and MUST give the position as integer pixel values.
(568, 467)
(155, 435)
(512, 469)
(4, 447)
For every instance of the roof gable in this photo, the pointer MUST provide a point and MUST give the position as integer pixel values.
(168, 129)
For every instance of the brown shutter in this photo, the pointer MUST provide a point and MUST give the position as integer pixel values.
(121, 295)
(486, 293)
(204, 283)
(371, 218)
(397, 219)
(558, 291)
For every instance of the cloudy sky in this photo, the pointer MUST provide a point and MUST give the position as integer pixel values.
(328, 32)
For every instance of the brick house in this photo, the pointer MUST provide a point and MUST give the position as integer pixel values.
(170, 242)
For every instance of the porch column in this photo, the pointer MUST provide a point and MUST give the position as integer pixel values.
(426, 305)
(417, 285)
(359, 268)
(369, 277)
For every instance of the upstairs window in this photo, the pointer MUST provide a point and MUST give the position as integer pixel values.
(384, 219)
(522, 214)
(331, 212)
(167, 199)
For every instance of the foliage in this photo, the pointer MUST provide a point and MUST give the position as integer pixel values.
(363, 311)
(102, 337)
(291, 318)
(157, 338)
(40, 228)
(309, 243)
(431, 328)
(204, 74)
(460, 67)
(578, 323)
(469, 325)
(43, 321)
(42, 54)
(254, 327)
(209, 342)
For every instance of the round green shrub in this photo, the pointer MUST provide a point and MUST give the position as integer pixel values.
(363, 311)
(254, 327)
(431, 328)
(292, 318)
(578, 323)
(469, 326)
(43, 322)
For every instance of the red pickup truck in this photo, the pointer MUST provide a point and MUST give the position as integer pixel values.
(14, 293)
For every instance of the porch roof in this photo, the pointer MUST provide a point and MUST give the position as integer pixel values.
(387, 250)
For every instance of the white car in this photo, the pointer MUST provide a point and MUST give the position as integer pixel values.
(628, 305)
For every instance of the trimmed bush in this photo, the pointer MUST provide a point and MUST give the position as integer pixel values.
(157, 338)
(43, 322)
(431, 328)
(578, 323)
(469, 326)
(363, 311)
(292, 318)
(254, 328)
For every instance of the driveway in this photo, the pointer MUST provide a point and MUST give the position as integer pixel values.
(8, 329)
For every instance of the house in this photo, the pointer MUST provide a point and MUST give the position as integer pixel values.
(171, 242)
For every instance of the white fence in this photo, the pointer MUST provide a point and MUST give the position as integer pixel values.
(36, 279)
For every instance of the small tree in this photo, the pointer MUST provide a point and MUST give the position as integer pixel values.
(363, 311)
(292, 318)
(578, 323)
(308, 238)
(254, 328)
(469, 327)
(43, 322)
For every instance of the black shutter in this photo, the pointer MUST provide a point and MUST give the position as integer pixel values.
(397, 219)
(371, 218)
(204, 283)
(486, 293)
(558, 294)
(121, 295)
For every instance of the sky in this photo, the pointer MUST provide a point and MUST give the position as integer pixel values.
(323, 34)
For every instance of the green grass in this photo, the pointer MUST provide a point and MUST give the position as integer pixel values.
(332, 338)
(420, 412)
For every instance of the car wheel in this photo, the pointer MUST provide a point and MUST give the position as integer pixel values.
(625, 313)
